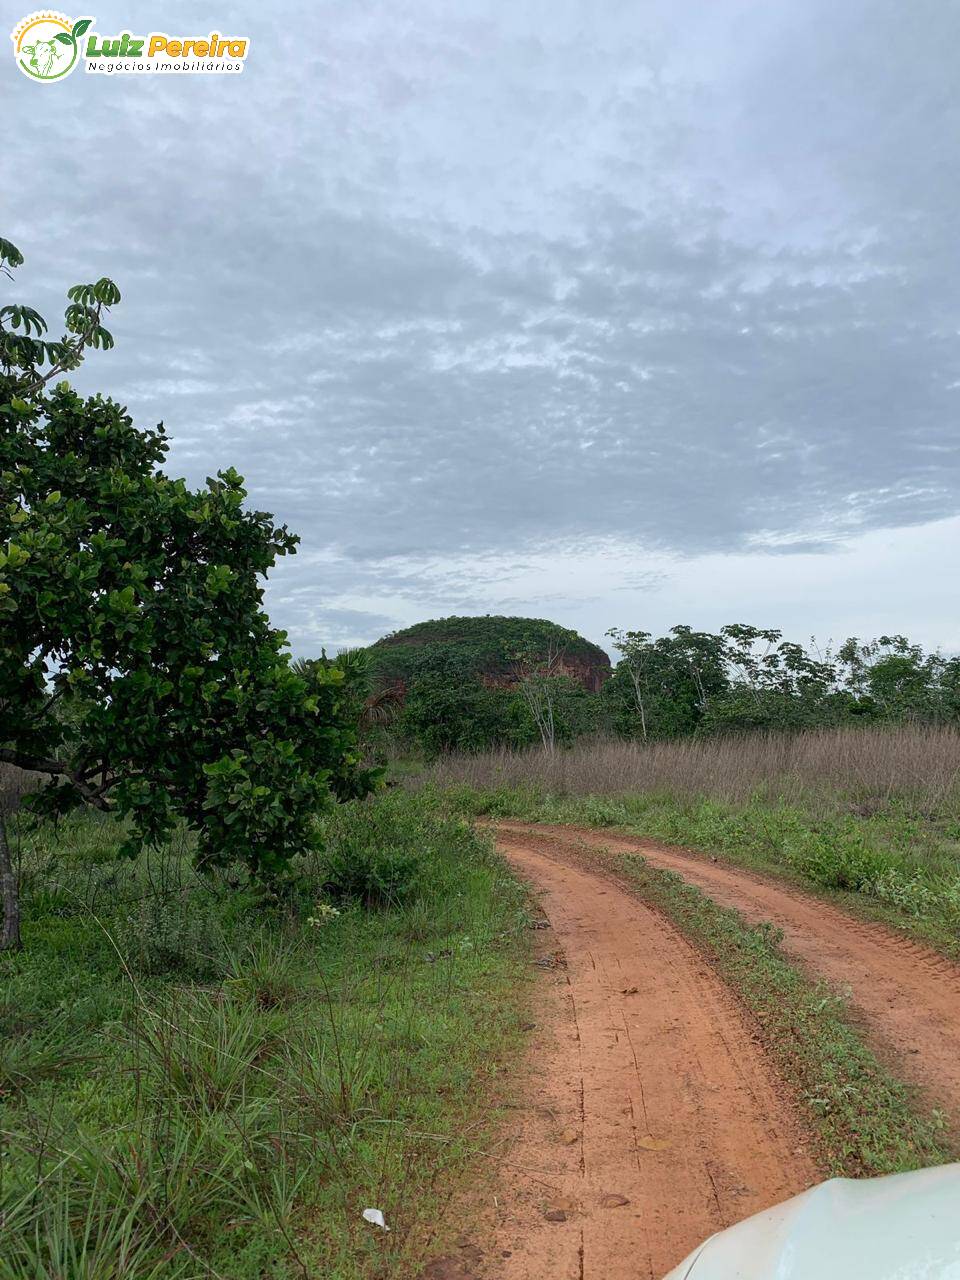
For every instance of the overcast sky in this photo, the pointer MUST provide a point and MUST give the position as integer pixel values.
(618, 313)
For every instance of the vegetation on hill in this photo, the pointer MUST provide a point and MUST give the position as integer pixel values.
(490, 645)
(472, 683)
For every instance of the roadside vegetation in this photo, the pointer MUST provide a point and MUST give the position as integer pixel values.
(245, 991)
(871, 814)
(202, 1077)
(243, 997)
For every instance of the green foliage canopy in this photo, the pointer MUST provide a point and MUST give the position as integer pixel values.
(138, 669)
(744, 677)
(461, 681)
(486, 646)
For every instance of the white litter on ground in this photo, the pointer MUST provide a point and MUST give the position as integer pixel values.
(376, 1217)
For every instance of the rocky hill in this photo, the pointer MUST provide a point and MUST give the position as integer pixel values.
(486, 646)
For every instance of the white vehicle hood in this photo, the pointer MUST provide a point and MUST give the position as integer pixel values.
(903, 1227)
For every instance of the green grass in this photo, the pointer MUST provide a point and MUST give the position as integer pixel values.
(195, 1081)
(892, 863)
(867, 1122)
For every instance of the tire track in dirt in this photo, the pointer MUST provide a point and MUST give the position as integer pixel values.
(653, 1117)
(907, 995)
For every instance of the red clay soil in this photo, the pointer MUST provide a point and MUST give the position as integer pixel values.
(652, 1117)
(908, 995)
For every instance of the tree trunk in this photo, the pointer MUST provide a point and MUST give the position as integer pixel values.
(638, 699)
(10, 935)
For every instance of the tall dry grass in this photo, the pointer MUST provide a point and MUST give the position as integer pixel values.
(866, 766)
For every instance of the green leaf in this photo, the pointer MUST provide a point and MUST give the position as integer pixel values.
(64, 37)
(106, 291)
(149, 593)
(81, 25)
(10, 253)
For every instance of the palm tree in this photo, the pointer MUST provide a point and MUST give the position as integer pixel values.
(373, 707)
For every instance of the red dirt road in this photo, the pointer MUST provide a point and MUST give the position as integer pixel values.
(907, 994)
(652, 1118)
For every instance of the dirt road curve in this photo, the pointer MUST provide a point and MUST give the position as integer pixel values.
(652, 1117)
(908, 995)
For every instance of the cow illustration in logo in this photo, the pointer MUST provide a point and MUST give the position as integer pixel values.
(45, 45)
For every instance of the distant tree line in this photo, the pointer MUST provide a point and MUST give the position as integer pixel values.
(739, 679)
(743, 678)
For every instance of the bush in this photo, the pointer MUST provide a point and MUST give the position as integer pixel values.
(842, 860)
(178, 934)
(374, 874)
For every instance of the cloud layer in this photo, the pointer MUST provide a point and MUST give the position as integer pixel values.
(461, 287)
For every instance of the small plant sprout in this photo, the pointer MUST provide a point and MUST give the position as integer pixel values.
(324, 913)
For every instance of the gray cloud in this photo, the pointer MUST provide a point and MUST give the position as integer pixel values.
(453, 283)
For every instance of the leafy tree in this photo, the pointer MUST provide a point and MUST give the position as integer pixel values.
(367, 707)
(893, 679)
(636, 674)
(540, 679)
(745, 678)
(576, 712)
(773, 684)
(676, 678)
(948, 688)
(446, 707)
(138, 670)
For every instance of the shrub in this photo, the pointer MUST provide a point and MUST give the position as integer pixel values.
(179, 934)
(838, 858)
(374, 874)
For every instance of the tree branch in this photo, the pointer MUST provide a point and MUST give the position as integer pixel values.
(70, 361)
(94, 796)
